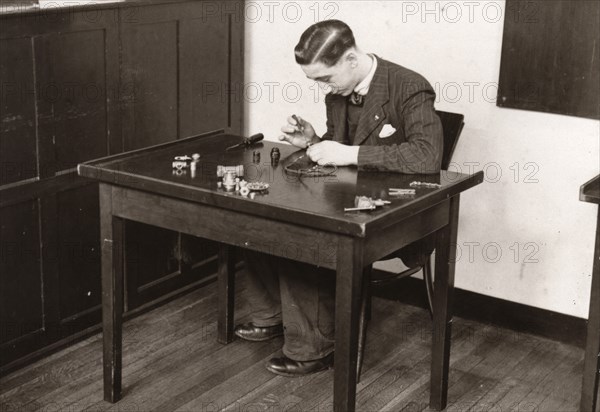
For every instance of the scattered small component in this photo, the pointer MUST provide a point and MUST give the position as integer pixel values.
(238, 170)
(257, 186)
(196, 157)
(243, 183)
(179, 172)
(184, 158)
(244, 191)
(252, 195)
(425, 184)
(179, 164)
(400, 192)
(229, 180)
(256, 157)
(366, 203)
(358, 209)
(275, 155)
(219, 184)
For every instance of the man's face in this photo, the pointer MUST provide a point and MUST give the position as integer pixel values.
(337, 79)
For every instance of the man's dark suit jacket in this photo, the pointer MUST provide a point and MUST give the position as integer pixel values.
(403, 99)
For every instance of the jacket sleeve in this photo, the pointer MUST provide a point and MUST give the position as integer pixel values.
(421, 153)
(330, 127)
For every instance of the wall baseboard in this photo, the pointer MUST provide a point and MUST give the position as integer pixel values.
(486, 309)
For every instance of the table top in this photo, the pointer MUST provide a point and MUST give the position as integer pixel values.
(590, 191)
(316, 202)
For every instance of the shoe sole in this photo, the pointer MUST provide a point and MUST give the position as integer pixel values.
(258, 339)
(293, 375)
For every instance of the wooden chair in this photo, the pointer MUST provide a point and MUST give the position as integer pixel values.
(452, 125)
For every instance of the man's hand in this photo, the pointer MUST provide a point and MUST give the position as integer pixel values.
(329, 152)
(298, 132)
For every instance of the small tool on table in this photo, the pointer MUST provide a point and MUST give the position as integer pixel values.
(247, 142)
(366, 203)
(401, 192)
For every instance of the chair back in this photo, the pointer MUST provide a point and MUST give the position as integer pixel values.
(452, 125)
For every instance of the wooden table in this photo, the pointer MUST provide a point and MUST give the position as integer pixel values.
(590, 192)
(301, 219)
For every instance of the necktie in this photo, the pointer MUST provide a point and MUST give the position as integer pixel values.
(356, 99)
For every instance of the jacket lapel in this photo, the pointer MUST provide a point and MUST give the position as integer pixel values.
(373, 114)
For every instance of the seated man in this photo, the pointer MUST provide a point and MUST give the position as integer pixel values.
(380, 117)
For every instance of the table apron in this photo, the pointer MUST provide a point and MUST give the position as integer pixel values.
(230, 227)
(402, 233)
(265, 235)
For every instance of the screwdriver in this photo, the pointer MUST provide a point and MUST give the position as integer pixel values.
(247, 142)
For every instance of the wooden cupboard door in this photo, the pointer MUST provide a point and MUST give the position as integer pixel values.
(78, 252)
(21, 285)
(17, 111)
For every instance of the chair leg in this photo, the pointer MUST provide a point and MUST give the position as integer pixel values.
(365, 314)
(368, 302)
(427, 278)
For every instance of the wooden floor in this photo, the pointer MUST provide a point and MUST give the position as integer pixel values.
(173, 362)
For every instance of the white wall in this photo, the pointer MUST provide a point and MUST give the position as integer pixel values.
(528, 208)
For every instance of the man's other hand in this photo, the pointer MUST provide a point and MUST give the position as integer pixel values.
(329, 152)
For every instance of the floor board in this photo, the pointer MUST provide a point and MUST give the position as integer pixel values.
(172, 362)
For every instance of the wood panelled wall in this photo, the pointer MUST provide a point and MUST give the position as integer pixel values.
(82, 83)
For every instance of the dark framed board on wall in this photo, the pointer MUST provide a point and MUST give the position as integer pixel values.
(550, 57)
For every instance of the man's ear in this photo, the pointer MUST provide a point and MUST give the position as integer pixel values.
(351, 58)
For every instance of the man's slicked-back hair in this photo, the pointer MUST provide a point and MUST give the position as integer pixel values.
(324, 42)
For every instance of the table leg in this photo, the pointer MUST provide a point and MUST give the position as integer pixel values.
(226, 288)
(445, 256)
(591, 365)
(364, 318)
(111, 232)
(349, 280)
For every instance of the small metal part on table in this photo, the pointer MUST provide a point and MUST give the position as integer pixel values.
(366, 203)
(229, 180)
(257, 186)
(275, 155)
(179, 164)
(425, 184)
(399, 192)
(238, 170)
(244, 191)
(357, 209)
(196, 157)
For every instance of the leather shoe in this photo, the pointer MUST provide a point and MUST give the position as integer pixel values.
(285, 366)
(249, 331)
